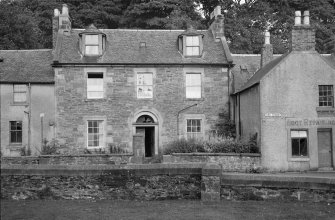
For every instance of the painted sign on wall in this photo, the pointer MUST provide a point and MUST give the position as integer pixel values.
(310, 122)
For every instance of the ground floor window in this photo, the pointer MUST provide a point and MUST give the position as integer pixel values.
(299, 143)
(15, 132)
(193, 128)
(95, 134)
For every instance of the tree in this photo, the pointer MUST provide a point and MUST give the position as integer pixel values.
(161, 14)
(18, 27)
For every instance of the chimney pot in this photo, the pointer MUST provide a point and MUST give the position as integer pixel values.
(297, 20)
(267, 37)
(65, 9)
(306, 17)
(216, 12)
(56, 12)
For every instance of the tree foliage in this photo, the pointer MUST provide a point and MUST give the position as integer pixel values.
(27, 24)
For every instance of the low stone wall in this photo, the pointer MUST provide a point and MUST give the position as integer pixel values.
(230, 162)
(101, 182)
(86, 159)
(159, 182)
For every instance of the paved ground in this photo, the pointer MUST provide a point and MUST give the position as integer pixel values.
(175, 209)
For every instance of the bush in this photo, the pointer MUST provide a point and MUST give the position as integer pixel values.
(184, 146)
(50, 148)
(116, 149)
(212, 145)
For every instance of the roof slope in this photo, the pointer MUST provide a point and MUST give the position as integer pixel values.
(262, 72)
(123, 47)
(26, 66)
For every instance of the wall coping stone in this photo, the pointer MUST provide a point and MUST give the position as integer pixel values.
(217, 154)
(94, 170)
(60, 155)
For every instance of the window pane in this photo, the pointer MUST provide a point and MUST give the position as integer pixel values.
(144, 79)
(193, 79)
(20, 88)
(20, 97)
(91, 39)
(295, 147)
(144, 92)
(303, 147)
(195, 51)
(92, 50)
(193, 92)
(298, 134)
(192, 41)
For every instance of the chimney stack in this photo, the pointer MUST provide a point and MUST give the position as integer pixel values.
(267, 50)
(60, 21)
(303, 35)
(217, 23)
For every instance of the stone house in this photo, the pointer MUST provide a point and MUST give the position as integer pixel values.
(289, 104)
(113, 84)
(27, 100)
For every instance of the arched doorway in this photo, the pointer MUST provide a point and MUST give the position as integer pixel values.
(147, 124)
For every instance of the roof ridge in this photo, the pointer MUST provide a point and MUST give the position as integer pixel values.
(123, 29)
(28, 50)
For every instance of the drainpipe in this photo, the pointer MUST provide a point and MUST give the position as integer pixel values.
(29, 117)
(182, 111)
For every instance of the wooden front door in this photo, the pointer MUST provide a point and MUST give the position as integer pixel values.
(325, 148)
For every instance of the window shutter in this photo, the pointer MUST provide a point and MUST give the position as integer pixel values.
(180, 44)
(184, 45)
(201, 45)
(100, 44)
(82, 44)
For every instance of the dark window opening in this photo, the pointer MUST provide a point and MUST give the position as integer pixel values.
(16, 132)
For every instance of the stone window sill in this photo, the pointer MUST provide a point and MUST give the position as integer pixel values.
(194, 99)
(325, 109)
(299, 159)
(96, 100)
(19, 104)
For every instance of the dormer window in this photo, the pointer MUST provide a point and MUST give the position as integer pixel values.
(92, 41)
(92, 44)
(190, 43)
(192, 46)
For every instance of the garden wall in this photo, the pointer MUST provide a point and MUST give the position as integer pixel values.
(228, 161)
(158, 182)
(86, 159)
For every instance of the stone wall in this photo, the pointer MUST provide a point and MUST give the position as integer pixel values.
(230, 162)
(158, 182)
(120, 104)
(87, 159)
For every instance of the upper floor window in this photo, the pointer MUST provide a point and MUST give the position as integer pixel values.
(192, 46)
(92, 41)
(15, 132)
(92, 44)
(95, 85)
(144, 85)
(326, 96)
(19, 93)
(190, 42)
(193, 85)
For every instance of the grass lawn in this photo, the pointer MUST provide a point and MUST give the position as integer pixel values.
(172, 209)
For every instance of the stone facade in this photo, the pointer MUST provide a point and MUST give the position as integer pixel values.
(120, 107)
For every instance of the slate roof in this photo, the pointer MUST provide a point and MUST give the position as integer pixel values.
(26, 66)
(256, 78)
(252, 62)
(123, 47)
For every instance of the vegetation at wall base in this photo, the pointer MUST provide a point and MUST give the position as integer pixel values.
(212, 145)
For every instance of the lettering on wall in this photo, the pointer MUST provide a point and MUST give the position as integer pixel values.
(293, 122)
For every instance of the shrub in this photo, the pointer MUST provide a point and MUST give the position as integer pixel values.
(214, 144)
(184, 146)
(116, 149)
(50, 148)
